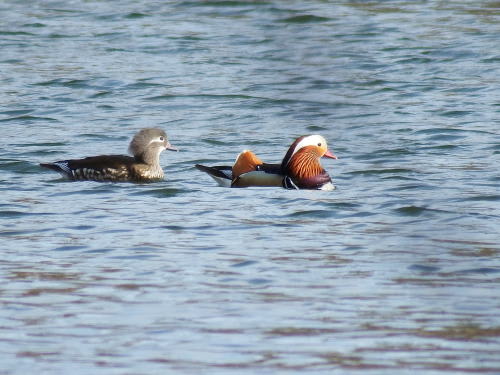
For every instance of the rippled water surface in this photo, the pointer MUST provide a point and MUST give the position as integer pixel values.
(397, 271)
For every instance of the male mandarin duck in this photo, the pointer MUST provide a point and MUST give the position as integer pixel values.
(144, 166)
(300, 168)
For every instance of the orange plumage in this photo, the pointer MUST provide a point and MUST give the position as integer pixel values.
(305, 163)
(246, 162)
(299, 169)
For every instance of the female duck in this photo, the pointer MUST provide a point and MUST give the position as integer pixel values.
(144, 166)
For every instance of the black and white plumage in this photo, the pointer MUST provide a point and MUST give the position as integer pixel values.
(299, 169)
(144, 166)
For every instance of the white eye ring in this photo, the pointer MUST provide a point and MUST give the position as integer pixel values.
(162, 139)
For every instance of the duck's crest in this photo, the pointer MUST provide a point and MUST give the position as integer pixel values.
(291, 150)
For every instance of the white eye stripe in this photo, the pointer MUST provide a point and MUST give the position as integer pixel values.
(312, 140)
(159, 139)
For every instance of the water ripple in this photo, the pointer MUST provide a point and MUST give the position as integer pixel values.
(182, 276)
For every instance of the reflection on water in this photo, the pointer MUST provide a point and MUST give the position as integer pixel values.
(395, 271)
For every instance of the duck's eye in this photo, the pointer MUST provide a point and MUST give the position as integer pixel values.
(319, 144)
(162, 139)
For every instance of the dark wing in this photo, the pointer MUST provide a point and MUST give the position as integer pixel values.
(222, 174)
(220, 171)
(270, 168)
(61, 167)
(98, 168)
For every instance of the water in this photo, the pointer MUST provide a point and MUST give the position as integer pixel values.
(397, 271)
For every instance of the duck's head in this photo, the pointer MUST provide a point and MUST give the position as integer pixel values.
(314, 146)
(149, 143)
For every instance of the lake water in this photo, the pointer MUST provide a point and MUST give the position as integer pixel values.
(395, 272)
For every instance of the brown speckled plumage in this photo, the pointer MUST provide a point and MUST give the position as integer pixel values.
(144, 166)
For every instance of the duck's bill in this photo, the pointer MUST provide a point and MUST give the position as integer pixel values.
(329, 154)
(171, 148)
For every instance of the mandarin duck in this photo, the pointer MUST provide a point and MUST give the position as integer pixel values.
(146, 147)
(300, 168)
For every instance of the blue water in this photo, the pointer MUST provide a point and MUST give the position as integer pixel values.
(395, 272)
